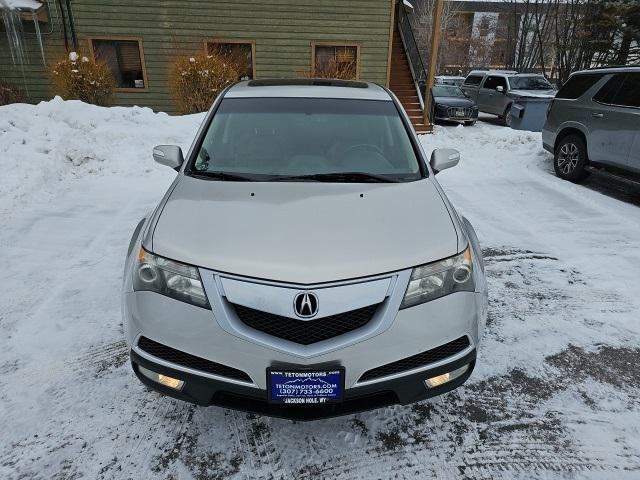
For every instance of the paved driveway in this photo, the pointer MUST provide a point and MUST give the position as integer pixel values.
(555, 395)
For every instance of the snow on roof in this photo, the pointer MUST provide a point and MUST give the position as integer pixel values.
(20, 4)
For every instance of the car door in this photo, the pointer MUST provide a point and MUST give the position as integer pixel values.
(471, 86)
(629, 97)
(489, 99)
(613, 125)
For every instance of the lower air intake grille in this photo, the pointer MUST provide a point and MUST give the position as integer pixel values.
(305, 332)
(187, 360)
(417, 361)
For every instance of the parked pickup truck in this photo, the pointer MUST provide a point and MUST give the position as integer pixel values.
(495, 90)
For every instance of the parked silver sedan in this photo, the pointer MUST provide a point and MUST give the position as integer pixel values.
(305, 261)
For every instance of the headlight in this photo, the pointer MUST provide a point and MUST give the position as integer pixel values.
(435, 280)
(173, 279)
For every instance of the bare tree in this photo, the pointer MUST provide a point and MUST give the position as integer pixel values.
(421, 21)
(562, 36)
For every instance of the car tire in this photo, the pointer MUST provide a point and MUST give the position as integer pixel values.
(570, 158)
(470, 123)
(506, 118)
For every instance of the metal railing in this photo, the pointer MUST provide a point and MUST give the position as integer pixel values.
(411, 46)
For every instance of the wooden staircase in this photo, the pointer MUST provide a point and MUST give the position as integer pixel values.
(401, 83)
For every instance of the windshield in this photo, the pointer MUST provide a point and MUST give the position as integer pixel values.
(530, 83)
(447, 91)
(306, 139)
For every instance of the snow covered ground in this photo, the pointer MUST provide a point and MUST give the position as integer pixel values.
(556, 392)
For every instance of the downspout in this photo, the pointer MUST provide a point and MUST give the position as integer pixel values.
(64, 26)
(71, 25)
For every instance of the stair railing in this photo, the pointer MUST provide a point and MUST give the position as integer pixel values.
(418, 72)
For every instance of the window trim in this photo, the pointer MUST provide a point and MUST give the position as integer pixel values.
(241, 41)
(145, 78)
(315, 44)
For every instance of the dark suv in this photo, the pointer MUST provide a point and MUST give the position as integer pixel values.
(593, 124)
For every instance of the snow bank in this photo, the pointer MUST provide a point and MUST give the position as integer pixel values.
(44, 147)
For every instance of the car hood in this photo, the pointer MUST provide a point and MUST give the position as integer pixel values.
(534, 93)
(304, 232)
(454, 101)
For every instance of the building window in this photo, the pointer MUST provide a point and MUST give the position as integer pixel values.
(335, 61)
(485, 25)
(125, 60)
(239, 52)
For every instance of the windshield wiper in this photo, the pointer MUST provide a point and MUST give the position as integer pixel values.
(230, 177)
(340, 177)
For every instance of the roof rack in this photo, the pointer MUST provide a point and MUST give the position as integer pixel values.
(613, 66)
(491, 70)
(319, 82)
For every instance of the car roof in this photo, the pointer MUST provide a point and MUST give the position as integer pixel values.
(493, 72)
(308, 88)
(605, 70)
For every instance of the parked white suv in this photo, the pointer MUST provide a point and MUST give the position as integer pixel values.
(304, 262)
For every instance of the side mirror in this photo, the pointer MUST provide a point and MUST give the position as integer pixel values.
(169, 155)
(443, 158)
(500, 89)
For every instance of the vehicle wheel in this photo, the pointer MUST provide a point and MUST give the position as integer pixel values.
(506, 118)
(470, 123)
(570, 158)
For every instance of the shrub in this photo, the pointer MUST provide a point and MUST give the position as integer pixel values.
(333, 69)
(10, 94)
(81, 78)
(196, 81)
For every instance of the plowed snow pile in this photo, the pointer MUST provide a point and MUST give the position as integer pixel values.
(44, 147)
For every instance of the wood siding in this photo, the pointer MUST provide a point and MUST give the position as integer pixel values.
(283, 30)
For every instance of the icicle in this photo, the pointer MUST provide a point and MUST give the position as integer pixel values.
(15, 35)
(37, 27)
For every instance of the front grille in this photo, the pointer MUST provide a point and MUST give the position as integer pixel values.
(417, 361)
(190, 361)
(305, 332)
(451, 112)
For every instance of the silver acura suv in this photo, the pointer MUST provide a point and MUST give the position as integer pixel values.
(304, 262)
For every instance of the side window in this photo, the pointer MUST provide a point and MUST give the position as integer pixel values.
(577, 85)
(125, 60)
(494, 82)
(609, 90)
(629, 93)
(473, 80)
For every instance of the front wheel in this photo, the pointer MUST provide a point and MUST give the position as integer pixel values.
(570, 158)
(507, 117)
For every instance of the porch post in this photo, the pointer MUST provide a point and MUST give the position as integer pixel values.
(433, 61)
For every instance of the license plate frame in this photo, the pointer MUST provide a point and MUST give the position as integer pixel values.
(459, 113)
(299, 396)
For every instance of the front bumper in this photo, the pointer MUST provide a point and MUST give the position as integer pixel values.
(237, 357)
(446, 118)
(207, 391)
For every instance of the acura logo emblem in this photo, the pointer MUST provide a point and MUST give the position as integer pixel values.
(305, 304)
